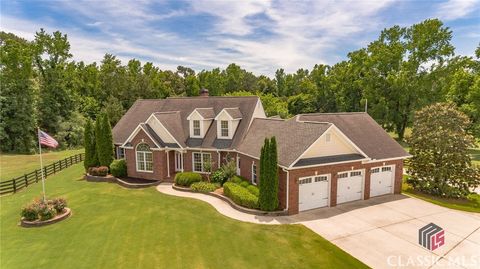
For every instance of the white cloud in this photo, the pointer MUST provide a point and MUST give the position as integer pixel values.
(456, 9)
(261, 36)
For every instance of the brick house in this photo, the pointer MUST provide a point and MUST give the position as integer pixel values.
(324, 159)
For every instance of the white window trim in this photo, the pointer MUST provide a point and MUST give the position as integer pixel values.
(144, 159)
(201, 161)
(256, 173)
(200, 122)
(178, 161)
(228, 129)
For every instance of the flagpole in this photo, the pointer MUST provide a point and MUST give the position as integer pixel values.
(41, 163)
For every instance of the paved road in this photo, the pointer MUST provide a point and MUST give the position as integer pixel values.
(381, 232)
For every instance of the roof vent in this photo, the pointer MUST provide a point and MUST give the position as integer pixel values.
(204, 93)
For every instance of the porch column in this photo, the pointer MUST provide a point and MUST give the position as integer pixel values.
(168, 163)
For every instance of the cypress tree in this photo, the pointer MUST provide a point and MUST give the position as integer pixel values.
(89, 144)
(103, 134)
(99, 138)
(268, 198)
(108, 140)
(263, 196)
(274, 173)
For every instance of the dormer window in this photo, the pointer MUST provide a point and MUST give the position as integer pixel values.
(224, 128)
(196, 128)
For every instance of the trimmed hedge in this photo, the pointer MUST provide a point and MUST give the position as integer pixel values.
(238, 179)
(244, 184)
(203, 186)
(253, 190)
(187, 178)
(118, 168)
(240, 195)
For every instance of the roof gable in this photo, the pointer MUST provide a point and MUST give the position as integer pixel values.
(363, 131)
(293, 138)
(142, 109)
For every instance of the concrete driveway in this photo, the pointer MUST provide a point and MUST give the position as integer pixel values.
(383, 232)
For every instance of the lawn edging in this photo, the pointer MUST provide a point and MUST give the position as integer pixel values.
(233, 204)
(111, 179)
(39, 223)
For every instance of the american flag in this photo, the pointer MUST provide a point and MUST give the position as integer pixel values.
(47, 140)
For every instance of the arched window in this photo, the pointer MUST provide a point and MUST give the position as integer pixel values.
(144, 158)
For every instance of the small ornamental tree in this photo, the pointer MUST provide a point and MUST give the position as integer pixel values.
(441, 164)
(268, 197)
(89, 144)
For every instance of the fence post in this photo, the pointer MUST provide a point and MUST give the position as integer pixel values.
(54, 168)
(36, 175)
(26, 180)
(44, 171)
(14, 185)
(81, 157)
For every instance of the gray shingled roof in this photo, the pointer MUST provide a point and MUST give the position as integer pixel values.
(293, 138)
(173, 123)
(235, 113)
(142, 109)
(364, 131)
(157, 139)
(206, 113)
(328, 159)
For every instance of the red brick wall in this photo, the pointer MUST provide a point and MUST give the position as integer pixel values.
(333, 170)
(159, 159)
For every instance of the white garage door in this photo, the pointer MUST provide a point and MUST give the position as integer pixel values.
(381, 180)
(313, 192)
(349, 186)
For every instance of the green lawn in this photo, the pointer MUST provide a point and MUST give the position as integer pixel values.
(14, 165)
(113, 227)
(471, 204)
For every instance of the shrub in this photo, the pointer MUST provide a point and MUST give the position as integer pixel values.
(203, 186)
(253, 190)
(187, 178)
(244, 184)
(38, 209)
(236, 179)
(30, 213)
(218, 176)
(59, 204)
(118, 168)
(240, 195)
(98, 171)
(46, 211)
(229, 170)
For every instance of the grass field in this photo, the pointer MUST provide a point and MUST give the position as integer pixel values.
(14, 165)
(113, 227)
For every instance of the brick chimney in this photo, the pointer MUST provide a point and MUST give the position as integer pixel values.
(203, 93)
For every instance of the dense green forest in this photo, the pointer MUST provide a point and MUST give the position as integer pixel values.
(404, 69)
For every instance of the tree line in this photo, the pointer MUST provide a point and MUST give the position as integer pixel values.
(403, 70)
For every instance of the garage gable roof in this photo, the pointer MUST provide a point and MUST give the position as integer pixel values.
(293, 138)
(363, 131)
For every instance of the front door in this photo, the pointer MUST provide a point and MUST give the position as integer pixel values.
(178, 161)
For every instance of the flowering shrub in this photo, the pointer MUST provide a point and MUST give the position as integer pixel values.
(98, 171)
(43, 210)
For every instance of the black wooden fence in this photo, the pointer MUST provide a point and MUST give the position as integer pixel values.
(18, 183)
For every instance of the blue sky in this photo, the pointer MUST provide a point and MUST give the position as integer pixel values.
(261, 36)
